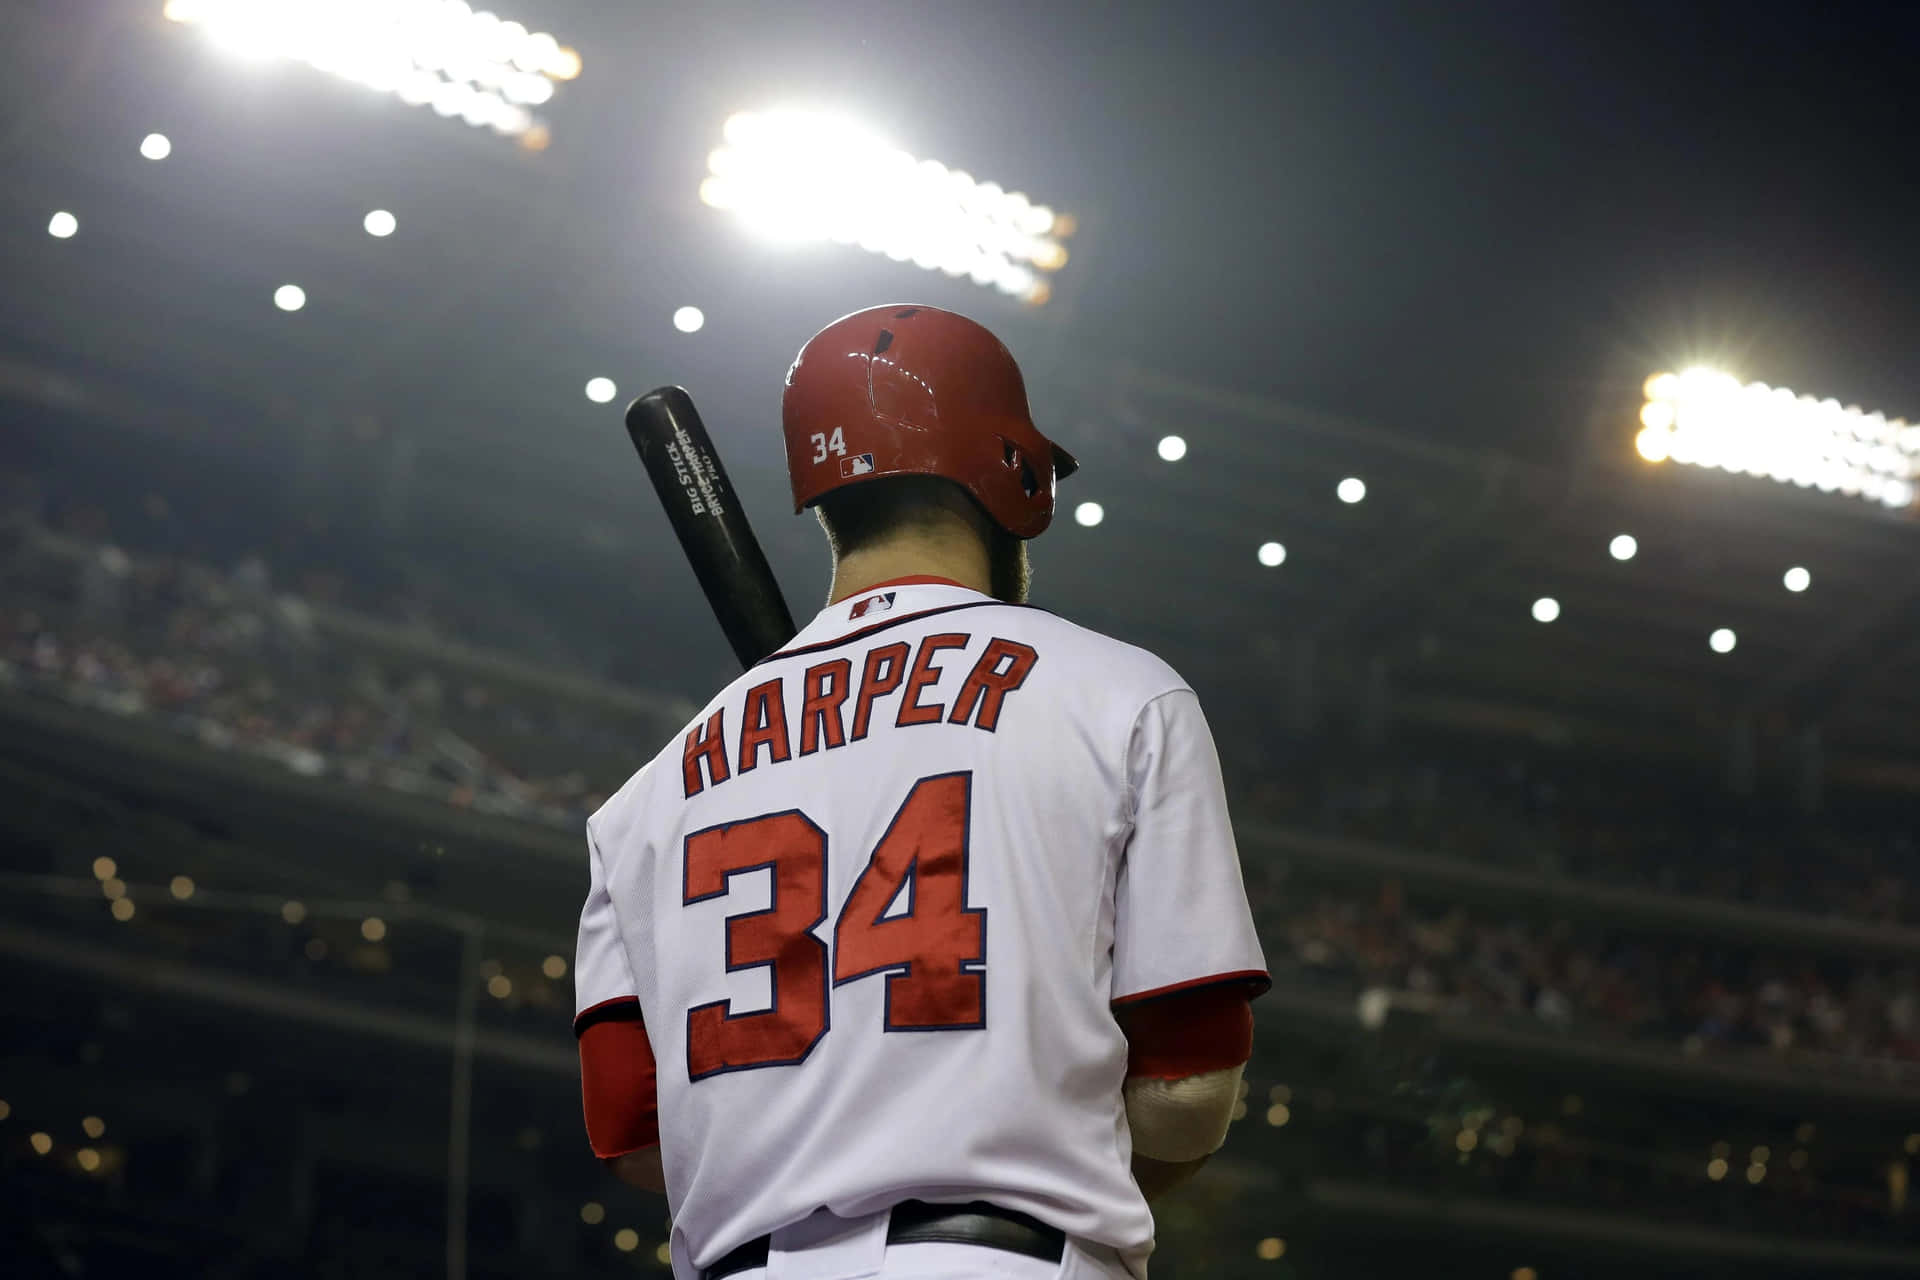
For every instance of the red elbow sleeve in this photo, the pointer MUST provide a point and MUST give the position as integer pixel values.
(1188, 1033)
(617, 1087)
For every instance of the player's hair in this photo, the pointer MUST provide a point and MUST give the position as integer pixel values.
(860, 516)
(865, 515)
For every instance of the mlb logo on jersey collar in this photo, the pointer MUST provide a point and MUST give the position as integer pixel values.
(872, 604)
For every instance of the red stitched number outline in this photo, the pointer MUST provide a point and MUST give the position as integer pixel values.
(930, 951)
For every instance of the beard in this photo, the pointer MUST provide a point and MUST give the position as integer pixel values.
(1009, 573)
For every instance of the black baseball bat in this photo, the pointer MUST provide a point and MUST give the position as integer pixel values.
(712, 526)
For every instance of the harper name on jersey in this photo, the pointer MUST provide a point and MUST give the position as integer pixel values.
(772, 732)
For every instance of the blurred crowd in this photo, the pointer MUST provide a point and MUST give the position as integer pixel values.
(1570, 978)
(221, 657)
(1621, 827)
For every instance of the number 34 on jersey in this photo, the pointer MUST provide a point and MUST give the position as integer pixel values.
(933, 952)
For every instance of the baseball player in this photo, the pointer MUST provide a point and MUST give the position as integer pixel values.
(924, 951)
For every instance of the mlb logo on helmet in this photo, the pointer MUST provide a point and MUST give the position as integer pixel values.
(858, 465)
(872, 604)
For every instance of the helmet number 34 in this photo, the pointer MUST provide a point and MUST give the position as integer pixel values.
(932, 951)
(822, 443)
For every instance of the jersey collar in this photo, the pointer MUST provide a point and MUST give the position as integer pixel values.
(911, 580)
(891, 601)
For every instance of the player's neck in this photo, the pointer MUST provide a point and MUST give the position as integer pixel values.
(961, 560)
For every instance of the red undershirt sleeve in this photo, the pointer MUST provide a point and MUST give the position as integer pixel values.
(1190, 1032)
(617, 1088)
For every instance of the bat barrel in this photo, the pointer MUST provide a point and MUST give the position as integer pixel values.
(711, 524)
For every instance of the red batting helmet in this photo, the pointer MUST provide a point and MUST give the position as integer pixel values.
(907, 390)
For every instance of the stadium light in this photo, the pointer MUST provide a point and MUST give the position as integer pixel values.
(600, 390)
(1351, 490)
(289, 297)
(1272, 554)
(1721, 641)
(808, 176)
(1172, 448)
(1089, 514)
(1797, 579)
(1546, 609)
(689, 319)
(379, 222)
(439, 53)
(155, 146)
(1623, 547)
(62, 225)
(1706, 418)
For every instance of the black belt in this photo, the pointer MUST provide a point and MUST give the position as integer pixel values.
(916, 1222)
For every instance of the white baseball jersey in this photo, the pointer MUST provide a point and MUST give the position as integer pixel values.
(878, 901)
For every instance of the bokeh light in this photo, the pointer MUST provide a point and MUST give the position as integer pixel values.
(1708, 418)
(289, 297)
(1172, 448)
(797, 176)
(62, 225)
(1089, 514)
(156, 146)
(1546, 609)
(601, 390)
(1272, 554)
(1722, 640)
(1623, 547)
(463, 64)
(689, 319)
(1796, 579)
(380, 222)
(1351, 490)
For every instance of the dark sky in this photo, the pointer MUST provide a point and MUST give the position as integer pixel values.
(1469, 221)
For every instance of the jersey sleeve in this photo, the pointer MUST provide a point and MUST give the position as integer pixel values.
(602, 974)
(617, 1085)
(1181, 918)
